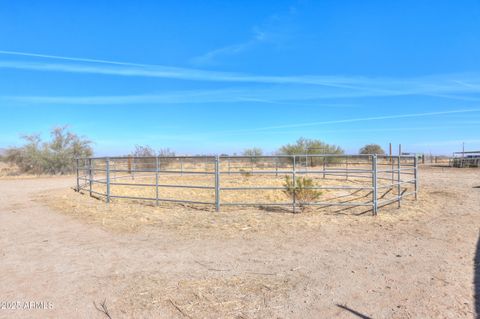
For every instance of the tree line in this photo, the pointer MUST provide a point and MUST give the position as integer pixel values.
(57, 155)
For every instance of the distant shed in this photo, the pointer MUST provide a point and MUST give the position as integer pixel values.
(465, 159)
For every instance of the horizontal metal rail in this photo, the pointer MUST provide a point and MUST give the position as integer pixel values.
(352, 168)
(93, 192)
(283, 188)
(150, 157)
(163, 199)
(304, 204)
(331, 172)
(395, 170)
(163, 185)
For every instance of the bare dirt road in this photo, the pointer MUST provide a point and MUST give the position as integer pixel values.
(416, 262)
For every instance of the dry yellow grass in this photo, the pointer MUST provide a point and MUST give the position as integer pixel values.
(230, 196)
(10, 171)
(195, 220)
(227, 296)
(190, 221)
(7, 170)
(200, 220)
(245, 179)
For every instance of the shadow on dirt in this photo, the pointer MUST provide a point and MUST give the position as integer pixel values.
(476, 268)
(356, 313)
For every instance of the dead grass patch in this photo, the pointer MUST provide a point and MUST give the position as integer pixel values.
(227, 296)
(197, 221)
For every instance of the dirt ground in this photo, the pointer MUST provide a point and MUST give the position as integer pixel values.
(72, 252)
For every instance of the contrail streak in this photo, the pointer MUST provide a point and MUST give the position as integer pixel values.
(363, 119)
(57, 57)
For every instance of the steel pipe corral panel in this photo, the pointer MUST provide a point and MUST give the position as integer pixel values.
(407, 168)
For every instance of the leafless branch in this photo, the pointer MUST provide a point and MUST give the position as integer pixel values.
(103, 308)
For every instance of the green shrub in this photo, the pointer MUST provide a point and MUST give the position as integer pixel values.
(245, 174)
(301, 190)
(253, 153)
(313, 147)
(372, 149)
(56, 156)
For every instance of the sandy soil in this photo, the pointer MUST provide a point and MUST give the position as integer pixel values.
(73, 251)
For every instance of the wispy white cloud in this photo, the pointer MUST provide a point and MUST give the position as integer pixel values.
(193, 96)
(317, 131)
(294, 95)
(450, 86)
(353, 120)
(275, 30)
(211, 57)
(449, 142)
(75, 59)
(291, 131)
(159, 71)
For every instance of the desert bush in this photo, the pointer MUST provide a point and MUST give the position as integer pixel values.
(165, 152)
(56, 156)
(142, 157)
(301, 190)
(245, 174)
(253, 153)
(312, 147)
(372, 149)
(148, 151)
(143, 151)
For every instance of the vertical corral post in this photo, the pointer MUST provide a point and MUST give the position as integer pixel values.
(399, 180)
(374, 185)
(90, 176)
(156, 179)
(415, 175)
(133, 168)
(228, 161)
(294, 183)
(276, 166)
(217, 183)
(392, 169)
(306, 163)
(324, 166)
(78, 177)
(107, 170)
(346, 167)
(181, 166)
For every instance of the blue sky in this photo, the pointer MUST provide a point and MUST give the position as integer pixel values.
(221, 76)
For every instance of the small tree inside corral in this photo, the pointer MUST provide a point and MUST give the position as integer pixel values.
(305, 146)
(165, 152)
(143, 151)
(56, 156)
(253, 153)
(301, 190)
(148, 151)
(372, 149)
(143, 157)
